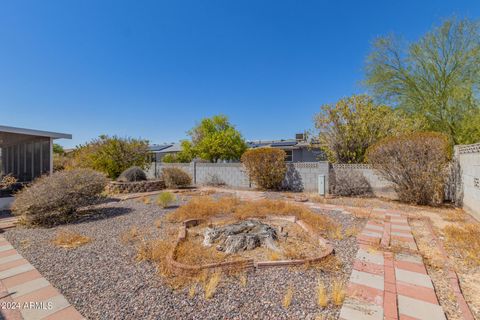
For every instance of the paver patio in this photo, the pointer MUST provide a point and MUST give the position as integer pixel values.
(24, 292)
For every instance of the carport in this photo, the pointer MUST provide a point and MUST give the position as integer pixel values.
(26, 153)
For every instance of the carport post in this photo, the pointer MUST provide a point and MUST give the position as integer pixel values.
(51, 155)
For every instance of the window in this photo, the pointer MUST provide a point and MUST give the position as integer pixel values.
(289, 155)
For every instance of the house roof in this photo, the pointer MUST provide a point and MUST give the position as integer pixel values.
(283, 143)
(32, 132)
(166, 148)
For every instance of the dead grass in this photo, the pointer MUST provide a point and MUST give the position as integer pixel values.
(322, 297)
(351, 231)
(338, 292)
(287, 298)
(455, 216)
(191, 291)
(146, 200)
(464, 239)
(274, 256)
(243, 280)
(131, 235)
(212, 284)
(70, 240)
(204, 207)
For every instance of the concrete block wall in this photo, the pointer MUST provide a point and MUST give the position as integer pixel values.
(468, 160)
(301, 176)
(379, 186)
(229, 174)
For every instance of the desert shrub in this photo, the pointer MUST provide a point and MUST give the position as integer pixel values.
(176, 177)
(56, 198)
(415, 164)
(350, 183)
(111, 155)
(8, 181)
(265, 166)
(132, 174)
(165, 199)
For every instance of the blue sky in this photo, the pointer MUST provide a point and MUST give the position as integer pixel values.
(151, 69)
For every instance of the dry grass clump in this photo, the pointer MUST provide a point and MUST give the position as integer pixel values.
(69, 239)
(262, 208)
(190, 252)
(274, 256)
(204, 208)
(455, 216)
(338, 292)
(207, 208)
(287, 298)
(464, 238)
(131, 235)
(212, 284)
(322, 297)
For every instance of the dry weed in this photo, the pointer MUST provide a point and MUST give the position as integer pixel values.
(464, 239)
(130, 235)
(338, 292)
(243, 280)
(322, 297)
(191, 291)
(274, 256)
(212, 284)
(69, 239)
(287, 298)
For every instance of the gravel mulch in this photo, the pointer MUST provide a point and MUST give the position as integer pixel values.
(103, 280)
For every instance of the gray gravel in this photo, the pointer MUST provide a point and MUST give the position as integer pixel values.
(103, 281)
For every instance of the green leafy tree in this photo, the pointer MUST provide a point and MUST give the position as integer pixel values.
(112, 155)
(58, 149)
(216, 139)
(348, 127)
(436, 78)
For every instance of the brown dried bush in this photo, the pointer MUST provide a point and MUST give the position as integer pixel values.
(70, 240)
(415, 164)
(265, 166)
(55, 199)
(176, 178)
(464, 239)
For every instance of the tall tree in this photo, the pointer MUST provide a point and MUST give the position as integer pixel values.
(348, 127)
(436, 78)
(216, 139)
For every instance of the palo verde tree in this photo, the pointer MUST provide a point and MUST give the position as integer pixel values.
(436, 78)
(351, 125)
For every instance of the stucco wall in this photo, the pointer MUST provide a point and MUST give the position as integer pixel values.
(468, 159)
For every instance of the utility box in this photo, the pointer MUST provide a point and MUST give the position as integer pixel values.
(321, 184)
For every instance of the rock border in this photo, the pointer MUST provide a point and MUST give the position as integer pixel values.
(246, 264)
(119, 187)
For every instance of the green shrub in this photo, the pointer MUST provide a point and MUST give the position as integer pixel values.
(176, 178)
(111, 155)
(265, 166)
(132, 174)
(415, 164)
(165, 199)
(55, 199)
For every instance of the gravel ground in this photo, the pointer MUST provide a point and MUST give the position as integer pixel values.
(103, 281)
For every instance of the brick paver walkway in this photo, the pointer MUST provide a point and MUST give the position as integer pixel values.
(387, 285)
(24, 292)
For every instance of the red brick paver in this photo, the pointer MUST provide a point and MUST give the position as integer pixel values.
(25, 294)
(385, 285)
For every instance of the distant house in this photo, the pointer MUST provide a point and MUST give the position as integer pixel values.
(297, 150)
(160, 150)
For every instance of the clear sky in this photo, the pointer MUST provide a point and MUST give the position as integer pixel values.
(151, 69)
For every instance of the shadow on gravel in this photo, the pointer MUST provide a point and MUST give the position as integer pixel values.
(95, 214)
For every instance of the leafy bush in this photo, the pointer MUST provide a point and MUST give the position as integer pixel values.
(265, 166)
(165, 199)
(348, 182)
(54, 199)
(415, 164)
(132, 174)
(112, 155)
(176, 178)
